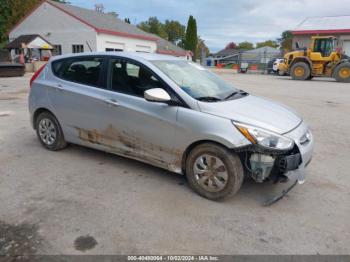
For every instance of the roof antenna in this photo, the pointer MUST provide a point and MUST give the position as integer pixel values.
(87, 43)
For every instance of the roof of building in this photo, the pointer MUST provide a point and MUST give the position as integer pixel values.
(261, 50)
(260, 54)
(103, 23)
(24, 39)
(228, 52)
(168, 48)
(109, 24)
(326, 25)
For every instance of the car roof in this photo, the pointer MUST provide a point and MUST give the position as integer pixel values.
(132, 55)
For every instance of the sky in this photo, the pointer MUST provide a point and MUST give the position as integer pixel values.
(222, 21)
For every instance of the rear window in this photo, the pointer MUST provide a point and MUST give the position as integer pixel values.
(83, 70)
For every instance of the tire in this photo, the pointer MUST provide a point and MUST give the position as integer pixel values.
(49, 132)
(342, 72)
(310, 77)
(224, 176)
(300, 71)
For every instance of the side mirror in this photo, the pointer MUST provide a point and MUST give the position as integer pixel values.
(157, 95)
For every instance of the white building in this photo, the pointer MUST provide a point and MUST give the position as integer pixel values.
(72, 29)
(338, 26)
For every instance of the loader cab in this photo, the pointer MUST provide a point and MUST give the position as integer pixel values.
(322, 47)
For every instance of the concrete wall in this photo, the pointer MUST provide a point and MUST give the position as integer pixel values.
(58, 28)
(126, 44)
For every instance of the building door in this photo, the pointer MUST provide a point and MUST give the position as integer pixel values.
(346, 47)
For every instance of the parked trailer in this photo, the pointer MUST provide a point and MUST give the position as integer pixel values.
(11, 70)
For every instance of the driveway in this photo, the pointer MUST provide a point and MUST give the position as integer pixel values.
(82, 201)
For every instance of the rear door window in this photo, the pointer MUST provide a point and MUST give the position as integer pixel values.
(85, 71)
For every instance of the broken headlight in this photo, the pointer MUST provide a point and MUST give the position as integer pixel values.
(264, 137)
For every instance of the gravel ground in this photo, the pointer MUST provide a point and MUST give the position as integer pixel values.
(82, 201)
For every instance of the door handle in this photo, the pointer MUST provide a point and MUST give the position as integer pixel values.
(112, 102)
(59, 87)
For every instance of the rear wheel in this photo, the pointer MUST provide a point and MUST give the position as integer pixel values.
(300, 71)
(214, 172)
(342, 72)
(49, 132)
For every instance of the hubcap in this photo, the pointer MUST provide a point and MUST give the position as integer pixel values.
(210, 173)
(299, 71)
(344, 73)
(47, 131)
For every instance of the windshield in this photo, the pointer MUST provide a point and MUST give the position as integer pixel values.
(196, 80)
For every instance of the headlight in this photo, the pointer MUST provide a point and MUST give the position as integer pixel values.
(264, 138)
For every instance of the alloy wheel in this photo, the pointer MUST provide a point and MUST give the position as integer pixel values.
(47, 131)
(210, 173)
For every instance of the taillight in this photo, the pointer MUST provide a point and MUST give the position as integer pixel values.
(36, 74)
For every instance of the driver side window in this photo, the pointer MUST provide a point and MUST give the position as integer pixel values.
(130, 78)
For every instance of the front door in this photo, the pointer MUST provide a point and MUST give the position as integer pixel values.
(132, 126)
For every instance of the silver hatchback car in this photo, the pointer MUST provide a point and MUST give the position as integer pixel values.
(170, 113)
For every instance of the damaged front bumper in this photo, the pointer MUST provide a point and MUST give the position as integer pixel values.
(275, 166)
(304, 140)
(292, 165)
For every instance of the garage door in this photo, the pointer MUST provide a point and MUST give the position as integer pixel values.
(346, 47)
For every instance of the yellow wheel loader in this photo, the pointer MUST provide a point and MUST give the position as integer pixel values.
(321, 59)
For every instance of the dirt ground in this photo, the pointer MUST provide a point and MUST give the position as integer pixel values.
(82, 201)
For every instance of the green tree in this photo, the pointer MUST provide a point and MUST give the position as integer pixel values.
(4, 17)
(174, 30)
(202, 48)
(270, 43)
(286, 41)
(246, 45)
(153, 26)
(191, 37)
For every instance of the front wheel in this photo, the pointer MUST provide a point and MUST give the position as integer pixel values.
(342, 72)
(213, 171)
(300, 71)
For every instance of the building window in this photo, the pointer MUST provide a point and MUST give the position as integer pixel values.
(78, 49)
(143, 49)
(113, 50)
(57, 50)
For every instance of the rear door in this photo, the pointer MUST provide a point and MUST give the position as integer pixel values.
(77, 94)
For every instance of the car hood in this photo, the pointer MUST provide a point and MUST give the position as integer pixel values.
(255, 111)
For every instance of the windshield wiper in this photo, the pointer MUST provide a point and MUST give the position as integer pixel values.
(208, 98)
(241, 92)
